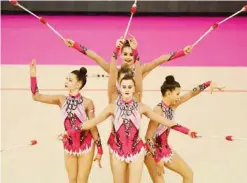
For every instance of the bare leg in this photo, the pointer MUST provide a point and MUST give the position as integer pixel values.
(118, 169)
(151, 166)
(179, 166)
(126, 178)
(135, 169)
(71, 167)
(127, 175)
(85, 164)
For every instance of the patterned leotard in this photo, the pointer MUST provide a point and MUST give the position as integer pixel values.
(79, 141)
(124, 141)
(163, 150)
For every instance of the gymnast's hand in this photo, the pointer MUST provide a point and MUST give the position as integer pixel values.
(63, 137)
(66, 135)
(70, 43)
(213, 86)
(188, 49)
(120, 42)
(98, 158)
(193, 134)
(33, 68)
(133, 42)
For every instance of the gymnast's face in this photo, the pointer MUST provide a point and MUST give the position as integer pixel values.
(71, 82)
(127, 89)
(175, 96)
(127, 56)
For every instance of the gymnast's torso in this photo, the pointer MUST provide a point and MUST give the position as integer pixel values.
(124, 141)
(73, 112)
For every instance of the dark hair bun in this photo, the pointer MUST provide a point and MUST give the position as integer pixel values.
(170, 79)
(127, 43)
(83, 71)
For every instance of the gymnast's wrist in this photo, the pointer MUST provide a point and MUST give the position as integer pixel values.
(116, 52)
(181, 129)
(99, 150)
(135, 55)
(205, 85)
(134, 52)
(80, 48)
(208, 83)
(99, 146)
(33, 85)
(176, 54)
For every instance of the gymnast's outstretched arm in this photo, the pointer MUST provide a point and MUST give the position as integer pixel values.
(147, 111)
(197, 90)
(146, 68)
(91, 54)
(86, 125)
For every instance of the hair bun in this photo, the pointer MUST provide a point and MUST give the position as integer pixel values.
(170, 79)
(127, 43)
(83, 71)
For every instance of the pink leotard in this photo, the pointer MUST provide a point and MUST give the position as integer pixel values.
(163, 150)
(79, 141)
(124, 141)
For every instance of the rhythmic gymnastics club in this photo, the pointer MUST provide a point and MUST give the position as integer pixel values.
(32, 143)
(41, 19)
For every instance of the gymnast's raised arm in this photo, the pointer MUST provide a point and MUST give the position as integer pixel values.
(91, 54)
(48, 99)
